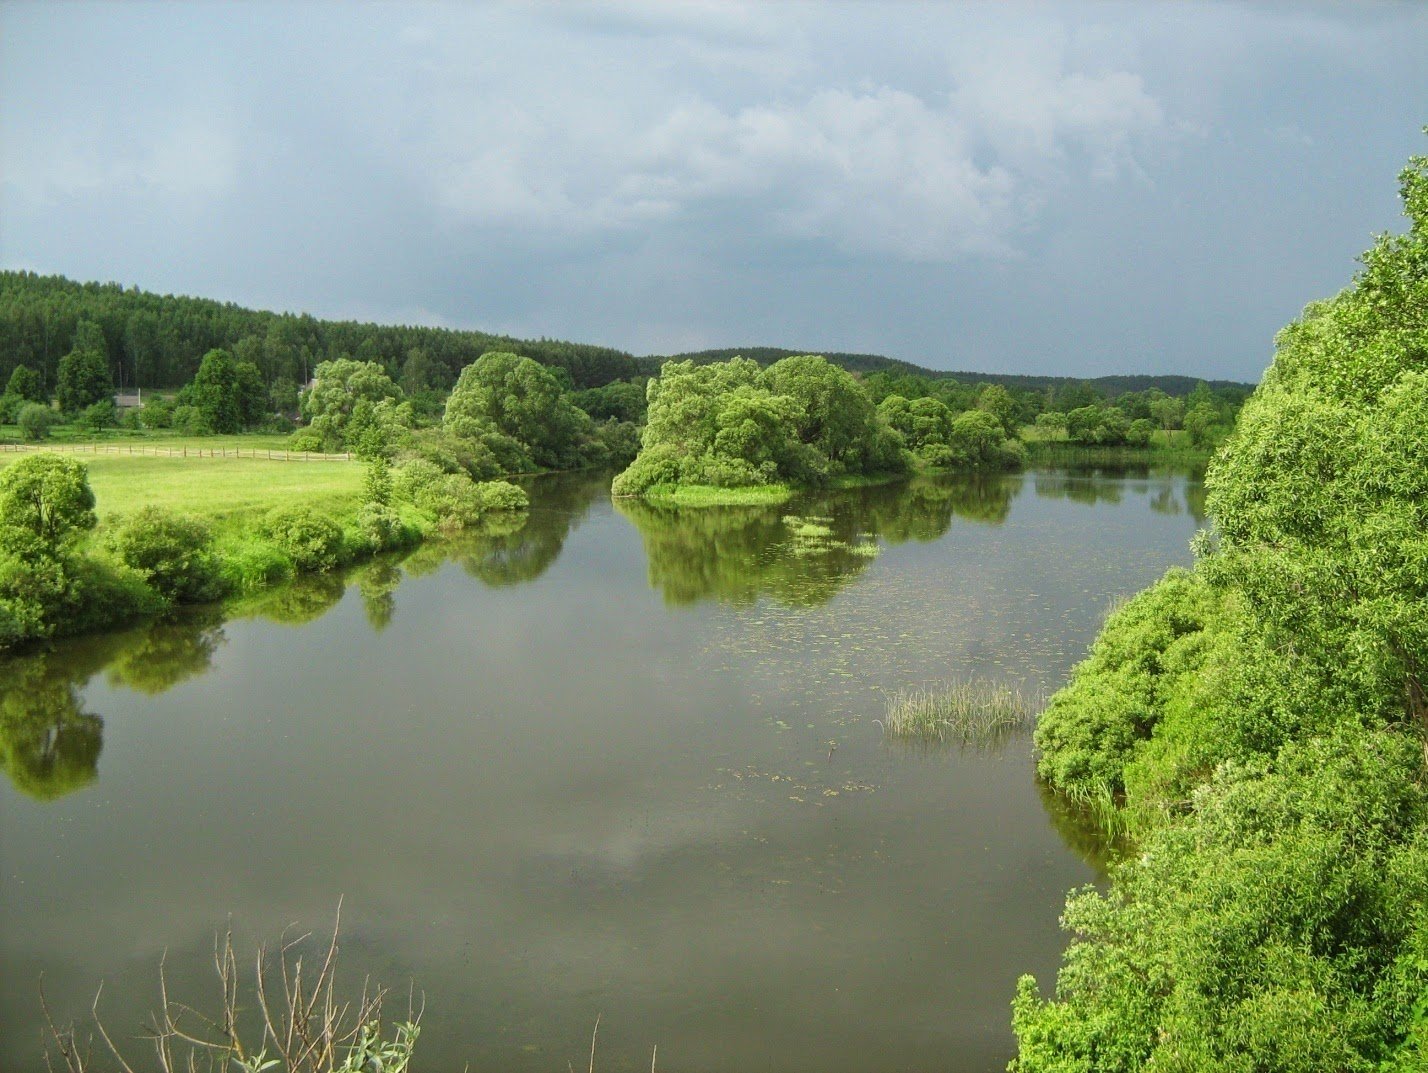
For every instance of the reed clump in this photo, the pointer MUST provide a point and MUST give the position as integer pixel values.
(972, 711)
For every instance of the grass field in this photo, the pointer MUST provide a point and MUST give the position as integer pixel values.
(231, 492)
(67, 437)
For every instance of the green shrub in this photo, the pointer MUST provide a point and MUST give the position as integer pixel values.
(252, 566)
(305, 440)
(173, 553)
(1280, 926)
(35, 420)
(190, 420)
(502, 495)
(312, 540)
(158, 412)
(1116, 698)
(98, 416)
(380, 528)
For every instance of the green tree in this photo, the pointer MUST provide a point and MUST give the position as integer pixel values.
(228, 393)
(340, 386)
(45, 502)
(997, 401)
(504, 399)
(25, 383)
(35, 420)
(1169, 411)
(83, 376)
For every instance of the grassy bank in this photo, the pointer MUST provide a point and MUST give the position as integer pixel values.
(1171, 448)
(167, 530)
(707, 495)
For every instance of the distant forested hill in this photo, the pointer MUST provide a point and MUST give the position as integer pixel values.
(155, 340)
(1109, 386)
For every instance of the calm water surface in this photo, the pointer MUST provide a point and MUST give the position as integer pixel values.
(620, 762)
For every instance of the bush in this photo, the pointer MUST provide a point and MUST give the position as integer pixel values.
(1139, 433)
(35, 420)
(380, 528)
(655, 467)
(306, 440)
(502, 495)
(131, 419)
(173, 553)
(158, 413)
(252, 566)
(97, 416)
(309, 538)
(1281, 925)
(190, 421)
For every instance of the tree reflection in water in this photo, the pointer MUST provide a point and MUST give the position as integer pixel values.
(739, 554)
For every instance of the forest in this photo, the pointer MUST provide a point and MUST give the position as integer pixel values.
(1254, 729)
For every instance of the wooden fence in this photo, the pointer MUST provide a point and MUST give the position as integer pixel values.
(176, 452)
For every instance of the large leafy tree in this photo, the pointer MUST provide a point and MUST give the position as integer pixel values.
(25, 383)
(341, 389)
(505, 396)
(228, 393)
(1263, 720)
(45, 501)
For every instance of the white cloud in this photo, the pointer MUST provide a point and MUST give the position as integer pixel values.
(879, 170)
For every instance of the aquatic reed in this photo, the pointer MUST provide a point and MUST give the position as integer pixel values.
(972, 711)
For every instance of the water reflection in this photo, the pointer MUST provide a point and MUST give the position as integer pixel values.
(738, 554)
(49, 745)
(159, 656)
(1167, 488)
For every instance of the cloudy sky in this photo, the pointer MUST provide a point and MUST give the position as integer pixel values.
(1050, 188)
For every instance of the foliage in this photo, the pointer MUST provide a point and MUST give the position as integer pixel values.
(732, 424)
(518, 410)
(311, 539)
(35, 420)
(82, 377)
(158, 412)
(26, 383)
(350, 399)
(45, 502)
(1263, 721)
(229, 394)
(1097, 425)
(172, 552)
(1281, 926)
(97, 416)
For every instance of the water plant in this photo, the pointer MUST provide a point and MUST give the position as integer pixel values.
(290, 1020)
(972, 711)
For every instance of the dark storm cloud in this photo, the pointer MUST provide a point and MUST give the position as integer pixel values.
(1074, 189)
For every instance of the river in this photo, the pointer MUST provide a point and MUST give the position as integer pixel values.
(616, 762)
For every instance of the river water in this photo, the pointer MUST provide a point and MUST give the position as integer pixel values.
(618, 762)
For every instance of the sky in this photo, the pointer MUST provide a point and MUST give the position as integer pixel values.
(1055, 188)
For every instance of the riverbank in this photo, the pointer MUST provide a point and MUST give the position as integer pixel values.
(164, 530)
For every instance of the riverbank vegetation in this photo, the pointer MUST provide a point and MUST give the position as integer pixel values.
(1260, 722)
(800, 423)
(197, 530)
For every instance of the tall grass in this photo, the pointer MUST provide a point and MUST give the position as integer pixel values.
(291, 1019)
(970, 711)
